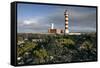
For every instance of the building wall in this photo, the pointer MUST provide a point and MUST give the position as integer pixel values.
(52, 30)
(58, 31)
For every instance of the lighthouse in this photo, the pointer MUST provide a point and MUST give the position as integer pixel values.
(52, 26)
(66, 21)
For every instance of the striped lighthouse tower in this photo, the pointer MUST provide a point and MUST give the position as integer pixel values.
(66, 21)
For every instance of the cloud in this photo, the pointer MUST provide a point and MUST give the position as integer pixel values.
(80, 20)
(28, 22)
(76, 18)
(32, 25)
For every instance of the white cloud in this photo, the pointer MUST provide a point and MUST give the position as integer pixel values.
(30, 21)
(27, 22)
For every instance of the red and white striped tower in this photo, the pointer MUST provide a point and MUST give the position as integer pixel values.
(66, 21)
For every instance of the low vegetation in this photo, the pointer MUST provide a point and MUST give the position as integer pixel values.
(54, 48)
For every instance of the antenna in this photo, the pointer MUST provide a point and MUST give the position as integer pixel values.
(66, 12)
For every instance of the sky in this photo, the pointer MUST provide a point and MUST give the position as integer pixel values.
(37, 18)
